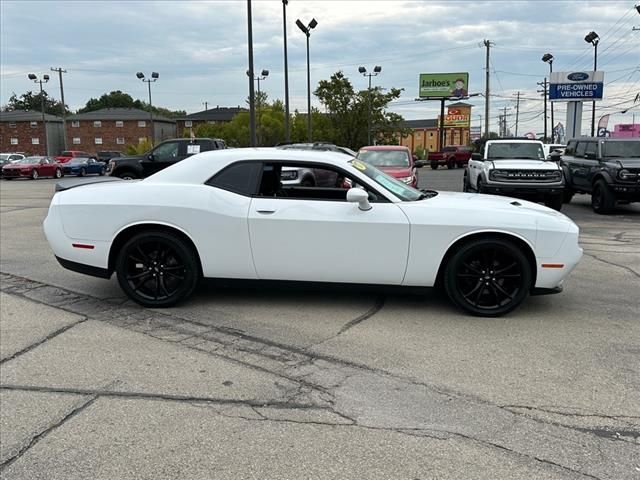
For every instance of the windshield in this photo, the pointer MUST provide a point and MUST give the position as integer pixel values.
(387, 182)
(621, 149)
(4, 156)
(385, 158)
(515, 150)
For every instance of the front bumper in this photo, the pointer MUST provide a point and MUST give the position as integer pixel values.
(627, 192)
(15, 173)
(526, 192)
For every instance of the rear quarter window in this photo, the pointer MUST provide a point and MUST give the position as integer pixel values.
(240, 178)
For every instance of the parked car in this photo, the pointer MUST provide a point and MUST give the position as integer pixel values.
(161, 156)
(313, 177)
(32, 167)
(395, 160)
(83, 166)
(319, 146)
(516, 168)
(451, 156)
(7, 158)
(608, 169)
(225, 214)
(67, 155)
(549, 148)
(106, 155)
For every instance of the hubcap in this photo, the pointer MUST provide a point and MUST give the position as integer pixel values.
(154, 270)
(489, 279)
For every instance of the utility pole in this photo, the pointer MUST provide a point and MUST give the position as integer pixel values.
(504, 122)
(64, 121)
(206, 105)
(517, 111)
(544, 86)
(487, 44)
(252, 97)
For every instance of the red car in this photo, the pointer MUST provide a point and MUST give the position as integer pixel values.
(67, 155)
(451, 156)
(394, 160)
(32, 167)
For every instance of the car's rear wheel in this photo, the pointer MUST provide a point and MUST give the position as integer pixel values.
(103, 170)
(83, 172)
(488, 277)
(34, 174)
(554, 202)
(58, 173)
(602, 200)
(157, 269)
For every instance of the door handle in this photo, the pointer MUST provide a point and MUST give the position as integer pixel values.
(266, 212)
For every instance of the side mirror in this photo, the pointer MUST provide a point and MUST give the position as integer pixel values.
(150, 157)
(415, 157)
(419, 163)
(359, 196)
(555, 156)
(476, 156)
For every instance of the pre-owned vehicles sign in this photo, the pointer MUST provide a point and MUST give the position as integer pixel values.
(439, 85)
(576, 86)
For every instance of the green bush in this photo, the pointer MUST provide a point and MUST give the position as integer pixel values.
(138, 149)
(421, 153)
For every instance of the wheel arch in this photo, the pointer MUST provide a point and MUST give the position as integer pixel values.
(602, 175)
(129, 231)
(523, 244)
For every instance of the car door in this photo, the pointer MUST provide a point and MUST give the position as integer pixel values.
(582, 165)
(160, 157)
(327, 240)
(45, 168)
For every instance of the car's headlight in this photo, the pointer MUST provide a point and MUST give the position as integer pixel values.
(289, 175)
(407, 180)
(625, 174)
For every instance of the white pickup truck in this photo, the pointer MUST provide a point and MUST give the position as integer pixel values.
(515, 168)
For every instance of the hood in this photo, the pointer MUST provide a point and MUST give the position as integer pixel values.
(628, 162)
(519, 164)
(397, 172)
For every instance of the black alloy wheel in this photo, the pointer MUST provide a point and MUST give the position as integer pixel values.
(602, 200)
(157, 269)
(488, 277)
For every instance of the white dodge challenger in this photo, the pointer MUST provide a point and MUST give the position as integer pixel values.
(227, 214)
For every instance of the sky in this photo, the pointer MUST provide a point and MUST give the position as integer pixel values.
(199, 48)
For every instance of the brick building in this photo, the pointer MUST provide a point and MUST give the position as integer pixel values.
(212, 115)
(115, 128)
(425, 133)
(23, 131)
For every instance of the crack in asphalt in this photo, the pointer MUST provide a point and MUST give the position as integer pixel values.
(297, 365)
(624, 267)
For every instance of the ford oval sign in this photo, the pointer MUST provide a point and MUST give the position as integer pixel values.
(578, 76)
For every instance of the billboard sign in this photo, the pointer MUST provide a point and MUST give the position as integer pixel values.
(576, 86)
(444, 85)
(457, 121)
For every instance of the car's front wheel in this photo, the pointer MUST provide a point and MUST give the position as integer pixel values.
(554, 202)
(83, 172)
(603, 201)
(126, 175)
(488, 277)
(58, 173)
(157, 269)
(34, 174)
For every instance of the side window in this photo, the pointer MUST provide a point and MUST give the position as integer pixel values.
(571, 148)
(167, 152)
(591, 149)
(582, 146)
(239, 178)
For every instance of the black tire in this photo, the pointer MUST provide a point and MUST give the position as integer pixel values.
(434, 165)
(83, 172)
(603, 201)
(480, 186)
(465, 183)
(157, 269)
(58, 173)
(488, 277)
(126, 175)
(103, 170)
(554, 202)
(567, 194)
(34, 174)
(451, 164)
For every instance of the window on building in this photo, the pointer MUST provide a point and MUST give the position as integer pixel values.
(142, 139)
(119, 123)
(98, 140)
(120, 140)
(35, 141)
(97, 123)
(142, 123)
(75, 123)
(430, 134)
(188, 123)
(76, 140)
(33, 124)
(12, 125)
(14, 141)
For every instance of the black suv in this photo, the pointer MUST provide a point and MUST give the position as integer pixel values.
(106, 155)
(607, 168)
(161, 156)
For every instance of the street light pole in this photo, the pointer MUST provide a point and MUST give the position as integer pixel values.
(252, 107)
(287, 133)
(548, 58)
(307, 31)
(593, 39)
(149, 81)
(376, 70)
(45, 79)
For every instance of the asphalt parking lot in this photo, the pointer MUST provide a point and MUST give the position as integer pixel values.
(248, 382)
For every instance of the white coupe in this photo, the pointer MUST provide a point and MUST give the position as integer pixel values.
(227, 214)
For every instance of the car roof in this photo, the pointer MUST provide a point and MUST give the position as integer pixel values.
(603, 139)
(198, 168)
(384, 147)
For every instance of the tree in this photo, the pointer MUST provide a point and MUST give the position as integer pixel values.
(348, 110)
(120, 99)
(33, 102)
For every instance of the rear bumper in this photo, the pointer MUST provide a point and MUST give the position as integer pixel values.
(84, 269)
